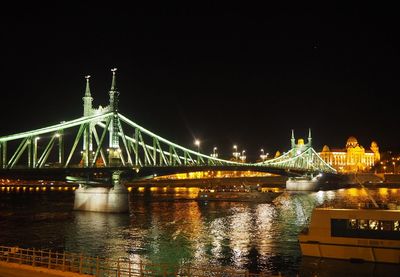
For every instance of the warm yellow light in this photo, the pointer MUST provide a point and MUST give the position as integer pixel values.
(383, 191)
(353, 192)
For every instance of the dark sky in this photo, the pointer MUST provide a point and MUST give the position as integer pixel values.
(227, 75)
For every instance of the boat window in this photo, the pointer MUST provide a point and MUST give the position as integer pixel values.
(396, 225)
(353, 224)
(386, 225)
(363, 224)
(373, 224)
(366, 228)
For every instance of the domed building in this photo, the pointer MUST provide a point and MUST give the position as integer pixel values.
(353, 158)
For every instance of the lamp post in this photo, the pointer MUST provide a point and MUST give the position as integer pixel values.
(243, 157)
(394, 167)
(214, 154)
(263, 156)
(235, 153)
(197, 143)
(35, 152)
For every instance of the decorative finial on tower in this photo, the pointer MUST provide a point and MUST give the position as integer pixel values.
(87, 91)
(292, 140)
(309, 137)
(113, 83)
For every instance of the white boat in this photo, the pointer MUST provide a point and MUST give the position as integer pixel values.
(371, 235)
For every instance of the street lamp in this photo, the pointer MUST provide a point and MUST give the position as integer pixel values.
(35, 152)
(197, 142)
(243, 157)
(263, 156)
(235, 153)
(214, 154)
(394, 167)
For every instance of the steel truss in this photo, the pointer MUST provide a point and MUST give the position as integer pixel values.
(139, 147)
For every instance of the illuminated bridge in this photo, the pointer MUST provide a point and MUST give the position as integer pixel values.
(103, 141)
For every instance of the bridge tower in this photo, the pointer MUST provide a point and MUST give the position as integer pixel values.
(114, 153)
(293, 140)
(87, 135)
(103, 199)
(300, 145)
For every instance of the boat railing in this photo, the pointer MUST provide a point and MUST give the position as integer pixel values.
(366, 205)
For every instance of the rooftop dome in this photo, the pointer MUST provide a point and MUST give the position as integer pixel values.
(325, 148)
(351, 142)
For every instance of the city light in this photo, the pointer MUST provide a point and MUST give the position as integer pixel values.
(243, 156)
(263, 156)
(197, 143)
(235, 153)
(214, 154)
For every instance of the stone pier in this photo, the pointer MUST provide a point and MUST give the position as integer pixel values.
(103, 199)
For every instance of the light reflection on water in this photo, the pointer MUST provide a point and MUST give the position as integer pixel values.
(164, 227)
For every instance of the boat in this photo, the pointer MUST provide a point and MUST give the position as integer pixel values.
(239, 194)
(364, 234)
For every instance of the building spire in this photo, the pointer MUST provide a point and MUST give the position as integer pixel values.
(113, 83)
(309, 137)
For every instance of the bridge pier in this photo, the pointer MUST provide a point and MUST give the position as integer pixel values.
(304, 183)
(103, 199)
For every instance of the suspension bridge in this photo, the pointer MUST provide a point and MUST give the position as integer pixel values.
(104, 142)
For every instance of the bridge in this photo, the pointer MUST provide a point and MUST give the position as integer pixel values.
(105, 142)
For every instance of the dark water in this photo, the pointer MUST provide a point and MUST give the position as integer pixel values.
(164, 227)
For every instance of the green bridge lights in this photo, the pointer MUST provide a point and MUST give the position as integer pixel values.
(129, 144)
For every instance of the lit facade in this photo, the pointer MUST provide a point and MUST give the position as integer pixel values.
(353, 158)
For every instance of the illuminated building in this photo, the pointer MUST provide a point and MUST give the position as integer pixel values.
(353, 158)
(213, 174)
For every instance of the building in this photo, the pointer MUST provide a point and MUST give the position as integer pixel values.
(353, 158)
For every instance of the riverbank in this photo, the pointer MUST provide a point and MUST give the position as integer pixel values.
(16, 270)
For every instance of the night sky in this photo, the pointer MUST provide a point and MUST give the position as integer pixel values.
(226, 75)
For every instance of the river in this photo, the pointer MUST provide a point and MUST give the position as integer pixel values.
(166, 225)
